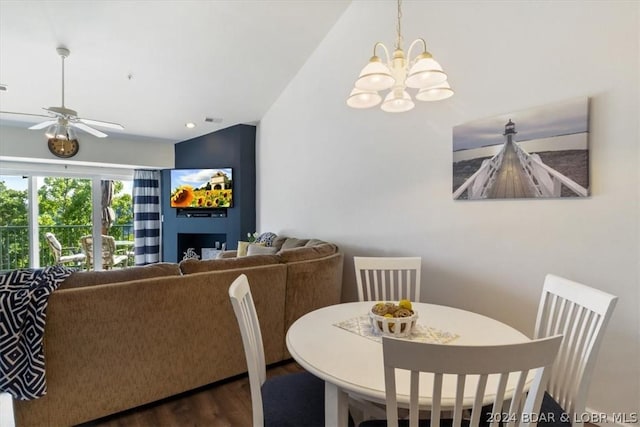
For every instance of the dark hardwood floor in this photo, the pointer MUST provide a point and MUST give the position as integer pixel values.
(223, 404)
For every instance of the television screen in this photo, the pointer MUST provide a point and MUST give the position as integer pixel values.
(201, 188)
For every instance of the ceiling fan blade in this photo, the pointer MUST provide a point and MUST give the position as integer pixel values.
(25, 114)
(101, 123)
(61, 111)
(43, 124)
(88, 129)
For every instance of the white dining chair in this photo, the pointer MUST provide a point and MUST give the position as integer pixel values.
(581, 314)
(388, 278)
(490, 366)
(290, 400)
(6, 410)
(384, 279)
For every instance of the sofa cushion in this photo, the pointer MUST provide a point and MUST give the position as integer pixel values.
(307, 253)
(314, 242)
(292, 242)
(278, 242)
(79, 279)
(190, 266)
(260, 249)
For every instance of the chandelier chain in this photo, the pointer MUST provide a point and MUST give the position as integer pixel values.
(398, 26)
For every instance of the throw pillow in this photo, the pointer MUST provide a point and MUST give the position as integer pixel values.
(266, 238)
(242, 248)
(260, 249)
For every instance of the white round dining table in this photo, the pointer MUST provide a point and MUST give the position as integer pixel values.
(351, 363)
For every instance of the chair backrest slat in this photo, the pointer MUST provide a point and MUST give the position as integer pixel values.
(388, 278)
(499, 400)
(489, 366)
(516, 400)
(477, 403)
(414, 405)
(457, 410)
(245, 311)
(581, 313)
(392, 406)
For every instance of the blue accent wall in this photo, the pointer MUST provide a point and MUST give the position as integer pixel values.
(235, 148)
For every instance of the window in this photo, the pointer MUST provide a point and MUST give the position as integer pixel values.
(14, 230)
(41, 204)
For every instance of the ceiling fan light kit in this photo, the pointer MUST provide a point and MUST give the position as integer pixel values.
(397, 74)
(60, 131)
(63, 121)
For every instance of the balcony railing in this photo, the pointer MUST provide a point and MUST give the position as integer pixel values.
(14, 242)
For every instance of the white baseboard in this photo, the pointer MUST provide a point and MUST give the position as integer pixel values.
(624, 420)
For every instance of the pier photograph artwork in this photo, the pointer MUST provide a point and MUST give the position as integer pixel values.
(540, 152)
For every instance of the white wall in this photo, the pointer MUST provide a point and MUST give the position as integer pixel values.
(380, 184)
(21, 143)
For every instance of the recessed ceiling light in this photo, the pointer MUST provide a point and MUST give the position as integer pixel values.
(190, 125)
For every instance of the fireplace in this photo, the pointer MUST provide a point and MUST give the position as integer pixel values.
(200, 245)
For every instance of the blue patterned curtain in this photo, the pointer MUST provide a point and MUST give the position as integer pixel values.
(146, 216)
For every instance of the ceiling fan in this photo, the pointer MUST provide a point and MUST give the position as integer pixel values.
(62, 120)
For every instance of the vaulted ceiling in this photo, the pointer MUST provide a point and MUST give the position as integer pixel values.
(153, 66)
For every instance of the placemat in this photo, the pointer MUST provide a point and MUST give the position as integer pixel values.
(361, 325)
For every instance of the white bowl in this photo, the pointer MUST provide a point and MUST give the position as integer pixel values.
(398, 327)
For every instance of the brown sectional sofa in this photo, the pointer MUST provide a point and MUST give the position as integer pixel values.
(119, 339)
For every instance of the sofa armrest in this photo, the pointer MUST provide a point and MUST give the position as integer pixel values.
(312, 284)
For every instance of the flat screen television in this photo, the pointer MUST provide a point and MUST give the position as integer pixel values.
(201, 188)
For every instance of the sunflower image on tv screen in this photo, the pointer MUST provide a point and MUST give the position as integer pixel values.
(201, 188)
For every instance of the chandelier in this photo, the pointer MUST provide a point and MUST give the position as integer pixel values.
(399, 73)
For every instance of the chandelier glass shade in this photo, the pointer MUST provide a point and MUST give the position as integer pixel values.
(363, 98)
(435, 93)
(397, 101)
(397, 74)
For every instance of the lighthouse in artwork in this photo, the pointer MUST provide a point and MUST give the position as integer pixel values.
(509, 131)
